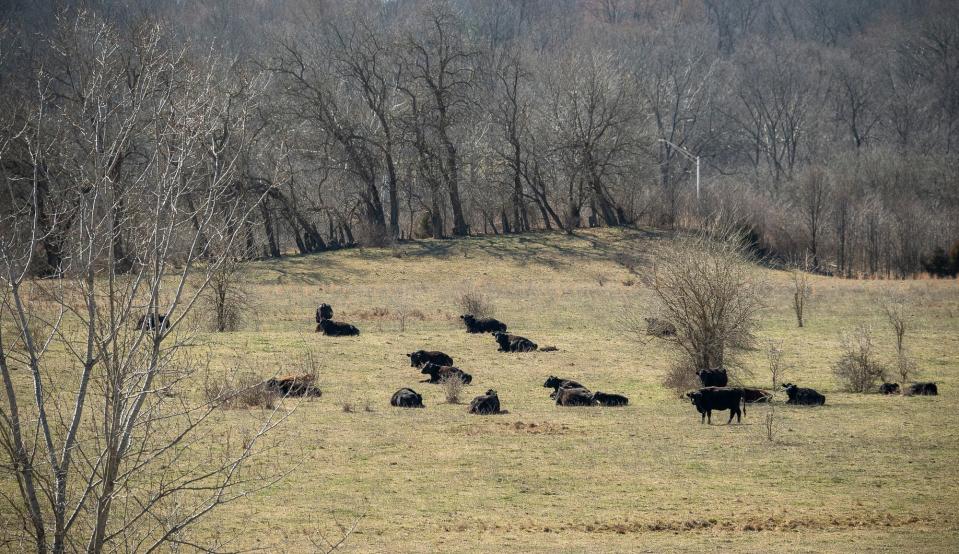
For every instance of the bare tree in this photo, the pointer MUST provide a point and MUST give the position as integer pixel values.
(103, 415)
(900, 319)
(438, 90)
(707, 286)
(802, 292)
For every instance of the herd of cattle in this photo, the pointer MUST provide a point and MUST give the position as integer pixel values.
(715, 394)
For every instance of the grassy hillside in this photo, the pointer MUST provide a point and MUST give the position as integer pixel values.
(863, 473)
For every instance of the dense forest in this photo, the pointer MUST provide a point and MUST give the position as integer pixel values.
(829, 129)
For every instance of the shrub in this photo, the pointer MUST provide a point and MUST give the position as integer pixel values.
(476, 303)
(707, 286)
(858, 369)
(227, 300)
(452, 388)
(681, 377)
(239, 391)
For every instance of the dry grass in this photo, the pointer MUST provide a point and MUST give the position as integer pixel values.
(863, 473)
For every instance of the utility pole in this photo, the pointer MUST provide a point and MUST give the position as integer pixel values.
(689, 155)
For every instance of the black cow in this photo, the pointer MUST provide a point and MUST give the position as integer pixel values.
(713, 377)
(923, 389)
(421, 357)
(556, 383)
(440, 373)
(803, 396)
(659, 328)
(574, 397)
(889, 388)
(294, 385)
(484, 325)
(152, 321)
(606, 399)
(332, 328)
(407, 398)
(485, 404)
(708, 399)
(752, 396)
(325, 311)
(513, 343)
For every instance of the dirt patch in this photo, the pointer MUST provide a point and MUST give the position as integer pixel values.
(520, 427)
(866, 521)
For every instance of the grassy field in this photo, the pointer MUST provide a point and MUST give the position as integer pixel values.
(863, 473)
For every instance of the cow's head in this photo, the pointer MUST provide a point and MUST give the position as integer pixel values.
(491, 392)
(552, 382)
(429, 368)
(467, 317)
(694, 396)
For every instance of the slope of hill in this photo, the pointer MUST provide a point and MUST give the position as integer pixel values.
(865, 472)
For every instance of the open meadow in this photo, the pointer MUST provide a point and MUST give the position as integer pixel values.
(863, 473)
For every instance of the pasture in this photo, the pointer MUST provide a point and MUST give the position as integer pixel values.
(863, 473)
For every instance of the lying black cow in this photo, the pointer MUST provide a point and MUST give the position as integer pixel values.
(753, 396)
(485, 404)
(421, 357)
(659, 328)
(484, 325)
(713, 377)
(152, 321)
(574, 397)
(332, 328)
(803, 396)
(407, 398)
(440, 373)
(606, 399)
(294, 385)
(556, 383)
(889, 388)
(513, 343)
(708, 399)
(923, 389)
(325, 311)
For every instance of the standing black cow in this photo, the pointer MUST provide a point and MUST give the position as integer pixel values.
(485, 404)
(332, 328)
(407, 398)
(923, 389)
(606, 399)
(708, 399)
(803, 396)
(421, 357)
(556, 383)
(325, 311)
(713, 377)
(484, 325)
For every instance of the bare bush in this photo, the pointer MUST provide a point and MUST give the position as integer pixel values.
(802, 292)
(239, 391)
(776, 362)
(681, 376)
(707, 286)
(471, 301)
(858, 369)
(900, 318)
(226, 298)
(453, 388)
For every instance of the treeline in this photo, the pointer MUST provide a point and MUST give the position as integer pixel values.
(831, 129)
